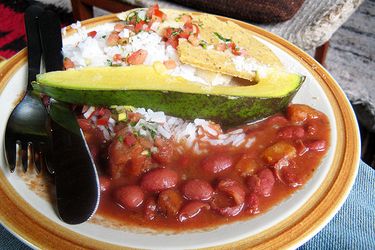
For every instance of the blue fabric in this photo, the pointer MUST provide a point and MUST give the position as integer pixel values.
(353, 227)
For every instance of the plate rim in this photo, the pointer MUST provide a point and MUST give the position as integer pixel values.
(319, 209)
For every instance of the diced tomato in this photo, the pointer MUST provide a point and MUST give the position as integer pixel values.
(84, 124)
(155, 11)
(113, 39)
(105, 115)
(134, 117)
(188, 27)
(119, 27)
(92, 34)
(68, 64)
(165, 151)
(221, 46)
(279, 150)
(172, 42)
(137, 57)
(130, 139)
(299, 113)
(139, 26)
(170, 64)
(193, 40)
(117, 57)
(170, 202)
(185, 18)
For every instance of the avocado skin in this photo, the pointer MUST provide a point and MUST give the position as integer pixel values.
(226, 110)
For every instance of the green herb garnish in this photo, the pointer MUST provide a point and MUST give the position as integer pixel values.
(120, 138)
(203, 44)
(222, 38)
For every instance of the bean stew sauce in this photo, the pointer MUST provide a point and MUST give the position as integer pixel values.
(149, 183)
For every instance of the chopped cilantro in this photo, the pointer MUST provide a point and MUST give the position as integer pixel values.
(104, 36)
(109, 62)
(203, 44)
(222, 38)
(120, 138)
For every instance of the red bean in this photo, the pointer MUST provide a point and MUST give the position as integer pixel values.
(262, 183)
(129, 196)
(252, 203)
(104, 183)
(317, 145)
(232, 188)
(159, 179)
(231, 211)
(217, 163)
(291, 132)
(150, 208)
(197, 190)
(192, 209)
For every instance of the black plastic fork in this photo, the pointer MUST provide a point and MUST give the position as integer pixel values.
(27, 137)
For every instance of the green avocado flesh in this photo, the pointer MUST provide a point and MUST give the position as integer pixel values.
(151, 87)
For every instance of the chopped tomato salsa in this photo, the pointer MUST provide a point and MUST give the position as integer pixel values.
(149, 182)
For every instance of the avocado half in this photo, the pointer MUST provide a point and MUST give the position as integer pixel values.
(151, 87)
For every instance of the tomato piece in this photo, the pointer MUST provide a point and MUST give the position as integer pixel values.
(155, 11)
(68, 64)
(85, 125)
(247, 166)
(165, 151)
(172, 42)
(279, 150)
(130, 139)
(117, 57)
(159, 179)
(299, 113)
(221, 47)
(291, 132)
(139, 26)
(197, 189)
(113, 39)
(170, 64)
(215, 164)
(316, 145)
(192, 209)
(137, 57)
(129, 197)
(185, 18)
(193, 40)
(119, 27)
(92, 34)
(103, 120)
(170, 202)
(134, 117)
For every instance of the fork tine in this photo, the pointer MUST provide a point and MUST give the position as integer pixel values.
(24, 158)
(37, 153)
(10, 152)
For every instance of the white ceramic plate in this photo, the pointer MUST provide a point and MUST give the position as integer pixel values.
(290, 223)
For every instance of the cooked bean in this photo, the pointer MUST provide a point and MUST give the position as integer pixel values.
(291, 132)
(252, 203)
(262, 183)
(232, 188)
(197, 189)
(192, 209)
(217, 163)
(159, 179)
(279, 150)
(150, 208)
(129, 196)
(170, 202)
